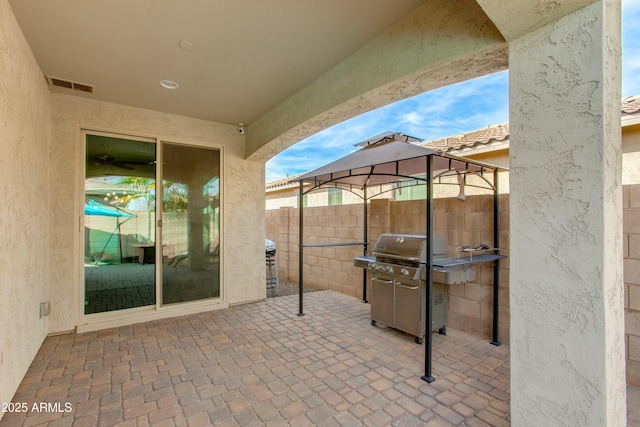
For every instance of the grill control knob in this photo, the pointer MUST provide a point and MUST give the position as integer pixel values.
(373, 266)
(389, 269)
(404, 272)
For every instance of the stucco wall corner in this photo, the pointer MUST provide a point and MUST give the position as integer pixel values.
(24, 212)
(245, 229)
(565, 213)
(516, 18)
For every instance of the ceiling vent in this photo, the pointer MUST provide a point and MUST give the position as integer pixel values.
(54, 81)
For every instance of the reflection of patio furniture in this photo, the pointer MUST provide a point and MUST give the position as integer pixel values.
(214, 255)
(146, 253)
(177, 259)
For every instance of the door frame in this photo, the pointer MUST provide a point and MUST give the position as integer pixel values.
(91, 322)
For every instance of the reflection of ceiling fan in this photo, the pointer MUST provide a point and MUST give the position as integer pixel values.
(106, 159)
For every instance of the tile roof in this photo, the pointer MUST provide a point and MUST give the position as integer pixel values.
(282, 183)
(500, 133)
(485, 136)
(496, 133)
(631, 105)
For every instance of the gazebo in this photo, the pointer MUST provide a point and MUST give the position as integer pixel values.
(390, 161)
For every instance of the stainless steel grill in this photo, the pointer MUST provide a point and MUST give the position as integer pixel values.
(272, 265)
(398, 283)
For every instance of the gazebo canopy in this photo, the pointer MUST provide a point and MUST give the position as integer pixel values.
(390, 159)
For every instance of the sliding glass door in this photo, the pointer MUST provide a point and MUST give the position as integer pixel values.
(147, 244)
(119, 223)
(190, 223)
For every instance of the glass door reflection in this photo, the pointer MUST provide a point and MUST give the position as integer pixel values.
(190, 223)
(119, 223)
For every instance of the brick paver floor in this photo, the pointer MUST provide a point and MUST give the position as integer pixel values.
(261, 364)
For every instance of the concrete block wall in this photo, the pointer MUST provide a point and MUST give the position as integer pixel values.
(469, 222)
(470, 306)
(631, 235)
(329, 267)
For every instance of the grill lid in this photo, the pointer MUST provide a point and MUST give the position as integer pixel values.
(406, 247)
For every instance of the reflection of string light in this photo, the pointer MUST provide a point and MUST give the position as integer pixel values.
(112, 197)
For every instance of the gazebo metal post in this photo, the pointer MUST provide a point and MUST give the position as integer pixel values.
(429, 259)
(365, 240)
(496, 263)
(300, 248)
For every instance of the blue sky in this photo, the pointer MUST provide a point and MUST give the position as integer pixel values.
(443, 112)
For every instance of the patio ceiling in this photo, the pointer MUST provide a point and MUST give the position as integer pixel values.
(233, 60)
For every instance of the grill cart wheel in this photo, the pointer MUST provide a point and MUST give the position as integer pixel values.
(418, 340)
(442, 331)
(373, 323)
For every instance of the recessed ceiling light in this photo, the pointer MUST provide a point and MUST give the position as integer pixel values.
(186, 45)
(168, 84)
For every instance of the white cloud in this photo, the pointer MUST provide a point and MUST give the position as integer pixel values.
(413, 118)
(443, 112)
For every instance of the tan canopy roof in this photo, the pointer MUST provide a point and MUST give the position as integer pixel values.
(389, 161)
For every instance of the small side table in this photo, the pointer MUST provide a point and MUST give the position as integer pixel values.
(146, 253)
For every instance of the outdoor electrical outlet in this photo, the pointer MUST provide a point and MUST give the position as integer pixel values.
(45, 309)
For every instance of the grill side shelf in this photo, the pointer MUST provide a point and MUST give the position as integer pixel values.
(445, 264)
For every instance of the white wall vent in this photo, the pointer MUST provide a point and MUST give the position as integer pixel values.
(54, 81)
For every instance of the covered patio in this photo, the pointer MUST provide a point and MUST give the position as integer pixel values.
(564, 59)
(261, 364)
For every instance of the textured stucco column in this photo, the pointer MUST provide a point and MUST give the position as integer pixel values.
(567, 348)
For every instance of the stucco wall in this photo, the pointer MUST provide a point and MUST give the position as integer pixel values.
(284, 198)
(631, 154)
(566, 219)
(441, 43)
(25, 190)
(243, 197)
